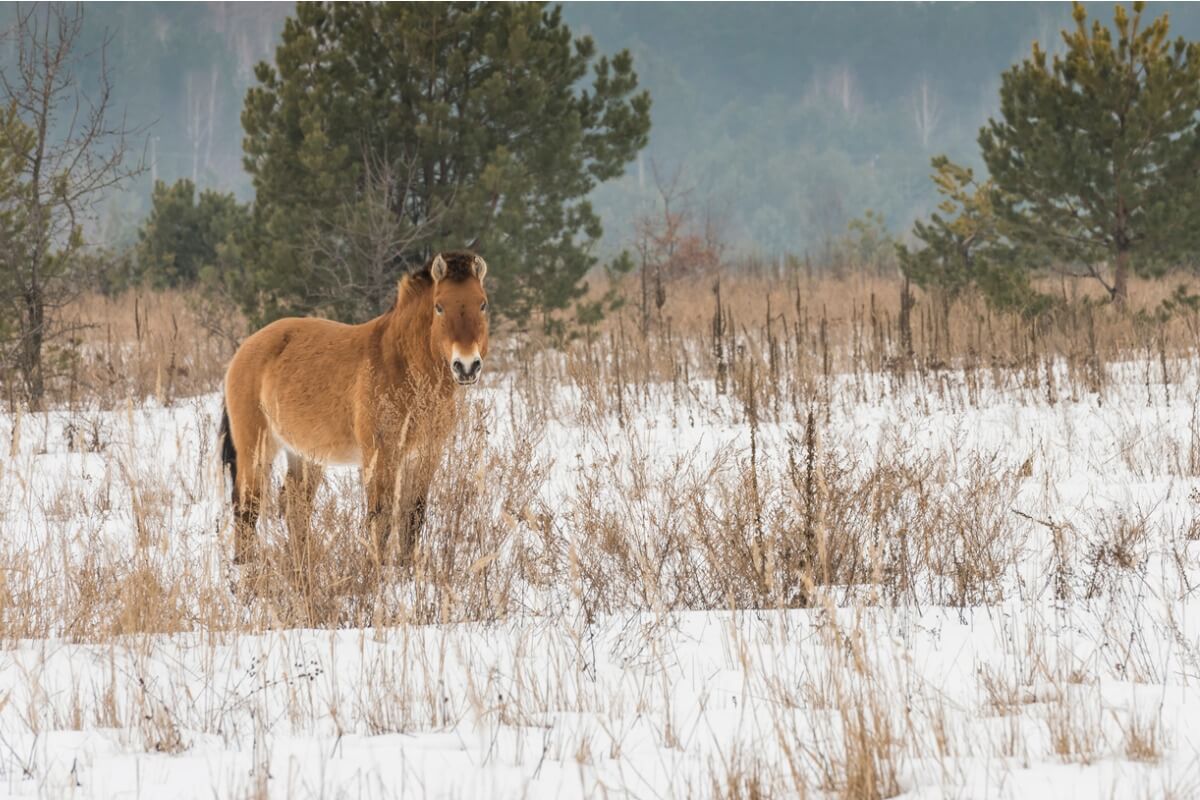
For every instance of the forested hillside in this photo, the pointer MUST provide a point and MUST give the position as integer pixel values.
(785, 121)
(789, 120)
(179, 72)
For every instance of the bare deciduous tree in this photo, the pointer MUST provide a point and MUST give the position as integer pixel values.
(836, 88)
(200, 88)
(671, 243)
(927, 111)
(362, 250)
(76, 156)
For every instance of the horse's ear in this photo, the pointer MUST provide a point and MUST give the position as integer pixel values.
(480, 268)
(438, 268)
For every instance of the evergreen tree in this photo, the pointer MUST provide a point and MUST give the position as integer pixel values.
(1096, 155)
(16, 142)
(869, 245)
(470, 122)
(181, 236)
(964, 246)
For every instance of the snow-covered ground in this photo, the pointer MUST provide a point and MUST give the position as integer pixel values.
(1020, 618)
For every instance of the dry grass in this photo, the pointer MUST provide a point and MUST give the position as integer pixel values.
(139, 346)
(694, 532)
(557, 503)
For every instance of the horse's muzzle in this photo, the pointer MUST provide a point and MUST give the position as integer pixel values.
(464, 372)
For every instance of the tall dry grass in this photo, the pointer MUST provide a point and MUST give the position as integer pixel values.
(558, 503)
(790, 507)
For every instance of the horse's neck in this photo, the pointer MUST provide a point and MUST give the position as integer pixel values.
(404, 345)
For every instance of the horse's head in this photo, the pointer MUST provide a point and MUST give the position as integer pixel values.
(460, 319)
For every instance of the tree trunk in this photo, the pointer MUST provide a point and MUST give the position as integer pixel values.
(31, 347)
(947, 300)
(1120, 289)
(645, 298)
(905, 321)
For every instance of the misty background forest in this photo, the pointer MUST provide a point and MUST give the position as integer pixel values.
(786, 120)
(296, 160)
(290, 160)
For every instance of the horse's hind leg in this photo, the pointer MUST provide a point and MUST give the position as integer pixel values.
(256, 450)
(299, 489)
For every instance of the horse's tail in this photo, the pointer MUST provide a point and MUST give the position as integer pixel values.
(228, 451)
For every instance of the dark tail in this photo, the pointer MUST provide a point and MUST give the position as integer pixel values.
(228, 451)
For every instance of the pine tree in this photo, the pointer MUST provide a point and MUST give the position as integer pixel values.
(16, 142)
(182, 235)
(468, 122)
(964, 246)
(1096, 155)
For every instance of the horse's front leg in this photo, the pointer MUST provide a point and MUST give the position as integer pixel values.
(380, 480)
(412, 494)
(413, 521)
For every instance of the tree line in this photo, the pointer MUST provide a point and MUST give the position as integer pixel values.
(383, 133)
(380, 135)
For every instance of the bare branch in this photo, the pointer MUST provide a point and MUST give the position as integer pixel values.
(367, 244)
(79, 155)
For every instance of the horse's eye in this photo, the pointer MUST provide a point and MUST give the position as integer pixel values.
(438, 308)
(484, 306)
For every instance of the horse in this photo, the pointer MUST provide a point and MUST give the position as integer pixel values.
(381, 395)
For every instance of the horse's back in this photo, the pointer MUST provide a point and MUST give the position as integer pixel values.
(300, 374)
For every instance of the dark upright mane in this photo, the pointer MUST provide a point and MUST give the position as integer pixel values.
(460, 265)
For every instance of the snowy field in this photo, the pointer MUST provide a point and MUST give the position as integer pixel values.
(1003, 605)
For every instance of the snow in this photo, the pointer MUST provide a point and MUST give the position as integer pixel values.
(1027, 688)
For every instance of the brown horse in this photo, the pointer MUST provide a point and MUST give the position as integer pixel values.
(381, 395)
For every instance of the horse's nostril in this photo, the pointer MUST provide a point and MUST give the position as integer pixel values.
(465, 372)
